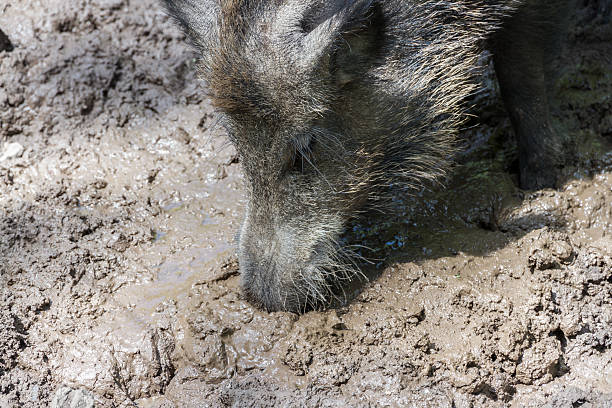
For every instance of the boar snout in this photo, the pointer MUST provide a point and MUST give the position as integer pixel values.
(288, 268)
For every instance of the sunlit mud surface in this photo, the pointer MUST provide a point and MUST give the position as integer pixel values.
(120, 199)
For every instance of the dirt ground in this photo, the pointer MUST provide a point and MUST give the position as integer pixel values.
(119, 286)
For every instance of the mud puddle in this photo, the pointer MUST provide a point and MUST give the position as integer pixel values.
(120, 199)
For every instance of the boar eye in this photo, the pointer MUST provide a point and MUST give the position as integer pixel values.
(303, 158)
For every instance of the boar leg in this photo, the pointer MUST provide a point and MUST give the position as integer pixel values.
(524, 53)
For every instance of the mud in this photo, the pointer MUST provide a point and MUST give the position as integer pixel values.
(119, 286)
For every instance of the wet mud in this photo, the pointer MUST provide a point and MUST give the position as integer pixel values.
(120, 198)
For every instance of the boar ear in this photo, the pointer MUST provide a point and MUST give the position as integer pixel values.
(197, 19)
(350, 37)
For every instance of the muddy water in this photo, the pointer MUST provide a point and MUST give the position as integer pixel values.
(120, 199)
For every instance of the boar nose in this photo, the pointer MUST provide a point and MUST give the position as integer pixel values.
(266, 278)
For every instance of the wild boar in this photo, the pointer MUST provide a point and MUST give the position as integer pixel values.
(330, 104)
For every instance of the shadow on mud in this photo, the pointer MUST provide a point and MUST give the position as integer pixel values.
(451, 222)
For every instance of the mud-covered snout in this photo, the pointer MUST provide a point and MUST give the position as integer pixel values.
(269, 283)
(288, 269)
(274, 276)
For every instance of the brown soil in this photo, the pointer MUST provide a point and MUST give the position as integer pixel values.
(119, 286)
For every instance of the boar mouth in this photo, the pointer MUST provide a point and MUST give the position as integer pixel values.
(333, 269)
